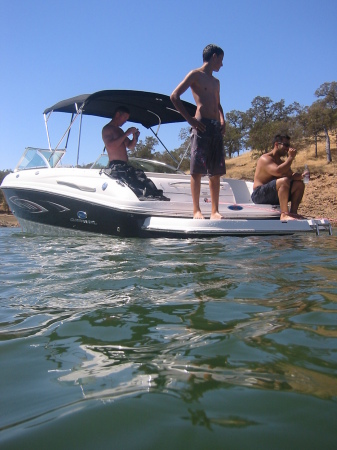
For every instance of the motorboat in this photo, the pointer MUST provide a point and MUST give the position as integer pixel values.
(48, 197)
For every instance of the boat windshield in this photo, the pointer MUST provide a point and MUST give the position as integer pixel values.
(152, 166)
(34, 158)
(101, 163)
(138, 163)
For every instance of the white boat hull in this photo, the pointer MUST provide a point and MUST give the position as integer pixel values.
(71, 200)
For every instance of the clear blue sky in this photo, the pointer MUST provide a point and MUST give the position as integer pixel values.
(52, 50)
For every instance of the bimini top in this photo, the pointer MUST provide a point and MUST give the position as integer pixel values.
(146, 108)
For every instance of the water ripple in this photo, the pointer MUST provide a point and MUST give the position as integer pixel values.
(102, 318)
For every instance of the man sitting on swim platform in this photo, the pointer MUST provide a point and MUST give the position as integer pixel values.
(275, 183)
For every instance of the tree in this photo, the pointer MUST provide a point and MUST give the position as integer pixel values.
(327, 93)
(311, 121)
(266, 119)
(232, 140)
(236, 126)
(293, 126)
(145, 149)
(261, 135)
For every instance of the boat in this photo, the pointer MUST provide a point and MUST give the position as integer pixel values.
(47, 197)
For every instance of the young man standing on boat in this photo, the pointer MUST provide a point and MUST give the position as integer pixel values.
(274, 181)
(208, 127)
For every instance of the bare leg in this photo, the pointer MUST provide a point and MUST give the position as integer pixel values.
(195, 190)
(283, 188)
(214, 187)
(296, 195)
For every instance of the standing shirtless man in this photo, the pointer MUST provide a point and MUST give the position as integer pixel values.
(208, 127)
(116, 140)
(274, 181)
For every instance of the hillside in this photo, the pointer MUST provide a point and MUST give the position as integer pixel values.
(320, 198)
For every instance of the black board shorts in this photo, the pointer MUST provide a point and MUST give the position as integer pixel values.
(266, 194)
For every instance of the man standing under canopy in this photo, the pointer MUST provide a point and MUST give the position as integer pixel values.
(116, 142)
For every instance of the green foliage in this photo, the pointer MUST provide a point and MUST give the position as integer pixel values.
(145, 149)
(237, 124)
(265, 119)
(233, 140)
(328, 93)
(314, 119)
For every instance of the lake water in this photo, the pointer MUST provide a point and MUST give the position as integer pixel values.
(224, 343)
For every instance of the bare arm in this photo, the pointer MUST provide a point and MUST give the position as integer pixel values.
(115, 138)
(175, 98)
(297, 176)
(222, 120)
(279, 170)
(131, 144)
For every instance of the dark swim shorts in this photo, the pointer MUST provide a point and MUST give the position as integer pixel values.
(266, 194)
(136, 179)
(207, 151)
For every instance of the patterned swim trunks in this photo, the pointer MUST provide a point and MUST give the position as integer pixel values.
(207, 151)
(136, 179)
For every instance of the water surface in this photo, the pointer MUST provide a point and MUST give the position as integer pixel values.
(204, 343)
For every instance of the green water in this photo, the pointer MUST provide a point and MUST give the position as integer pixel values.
(225, 343)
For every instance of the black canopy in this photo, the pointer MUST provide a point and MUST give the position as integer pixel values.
(145, 107)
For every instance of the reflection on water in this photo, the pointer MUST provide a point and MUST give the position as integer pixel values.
(193, 321)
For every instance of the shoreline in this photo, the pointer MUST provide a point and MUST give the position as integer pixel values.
(8, 220)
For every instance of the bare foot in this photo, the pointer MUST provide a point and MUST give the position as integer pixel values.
(198, 215)
(216, 216)
(287, 216)
(297, 216)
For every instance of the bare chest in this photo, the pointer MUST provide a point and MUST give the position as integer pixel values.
(206, 85)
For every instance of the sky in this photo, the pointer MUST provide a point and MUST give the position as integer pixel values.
(53, 50)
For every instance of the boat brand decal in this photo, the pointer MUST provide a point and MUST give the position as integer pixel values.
(82, 215)
(235, 207)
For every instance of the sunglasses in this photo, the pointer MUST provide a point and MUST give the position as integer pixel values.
(284, 145)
